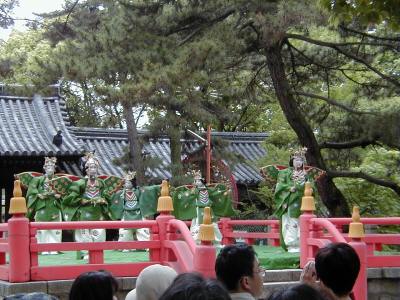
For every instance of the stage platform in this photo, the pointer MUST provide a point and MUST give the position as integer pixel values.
(272, 258)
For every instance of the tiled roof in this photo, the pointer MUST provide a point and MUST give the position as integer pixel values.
(110, 144)
(28, 125)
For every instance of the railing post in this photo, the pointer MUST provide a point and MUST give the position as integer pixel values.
(274, 229)
(356, 233)
(164, 207)
(225, 230)
(205, 254)
(18, 238)
(307, 208)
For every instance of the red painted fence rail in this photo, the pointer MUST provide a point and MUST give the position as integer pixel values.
(171, 244)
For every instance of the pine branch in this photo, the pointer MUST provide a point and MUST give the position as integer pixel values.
(343, 44)
(199, 21)
(332, 102)
(367, 86)
(361, 142)
(309, 58)
(382, 182)
(393, 39)
(337, 47)
(69, 13)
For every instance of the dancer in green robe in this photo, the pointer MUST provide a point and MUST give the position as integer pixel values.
(44, 204)
(88, 199)
(126, 206)
(289, 191)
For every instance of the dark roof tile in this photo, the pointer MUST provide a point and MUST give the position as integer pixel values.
(27, 127)
(111, 143)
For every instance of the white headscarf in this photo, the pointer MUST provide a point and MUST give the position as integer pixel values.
(152, 283)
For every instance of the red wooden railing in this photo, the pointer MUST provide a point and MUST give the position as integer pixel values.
(170, 244)
(373, 241)
(229, 235)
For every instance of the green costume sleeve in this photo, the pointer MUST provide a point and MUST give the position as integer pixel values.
(184, 200)
(117, 206)
(106, 194)
(282, 191)
(32, 196)
(71, 202)
(221, 200)
(284, 197)
(148, 199)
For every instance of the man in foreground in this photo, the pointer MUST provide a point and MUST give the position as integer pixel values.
(238, 268)
(336, 266)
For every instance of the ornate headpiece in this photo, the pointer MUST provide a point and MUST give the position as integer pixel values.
(91, 159)
(130, 175)
(196, 174)
(299, 153)
(50, 161)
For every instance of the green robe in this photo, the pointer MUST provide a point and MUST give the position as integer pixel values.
(46, 209)
(285, 200)
(187, 199)
(79, 191)
(126, 206)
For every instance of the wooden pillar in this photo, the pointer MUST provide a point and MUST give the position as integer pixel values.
(208, 155)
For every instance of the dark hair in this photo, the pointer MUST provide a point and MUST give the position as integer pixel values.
(97, 285)
(291, 161)
(193, 286)
(134, 182)
(337, 266)
(297, 292)
(234, 262)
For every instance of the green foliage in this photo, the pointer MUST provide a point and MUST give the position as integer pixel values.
(6, 7)
(258, 204)
(374, 200)
(375, 11)
(22, 59)
(281, 137)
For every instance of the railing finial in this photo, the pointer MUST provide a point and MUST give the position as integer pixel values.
(206, 233)
(164, 204)
(17, 203)
(356, 229)
(307, 202)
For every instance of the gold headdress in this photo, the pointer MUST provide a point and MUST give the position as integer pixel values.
(50, 161)
(299, 153)
(91, 159)
(130, 175)
(196, 174)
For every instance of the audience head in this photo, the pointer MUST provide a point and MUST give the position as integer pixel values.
(237, 267)
(297, 292)
(152, 282)
(337, 266)
(192, 286)
(97, 285)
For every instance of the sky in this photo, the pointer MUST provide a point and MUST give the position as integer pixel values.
(26, 9)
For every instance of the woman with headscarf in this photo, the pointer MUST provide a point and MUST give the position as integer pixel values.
(152, 283)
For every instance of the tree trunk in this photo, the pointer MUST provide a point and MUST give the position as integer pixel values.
(330, 194)
(174, 134)
(135, 146)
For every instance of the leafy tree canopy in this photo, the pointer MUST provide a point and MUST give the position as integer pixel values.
(367, 12)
